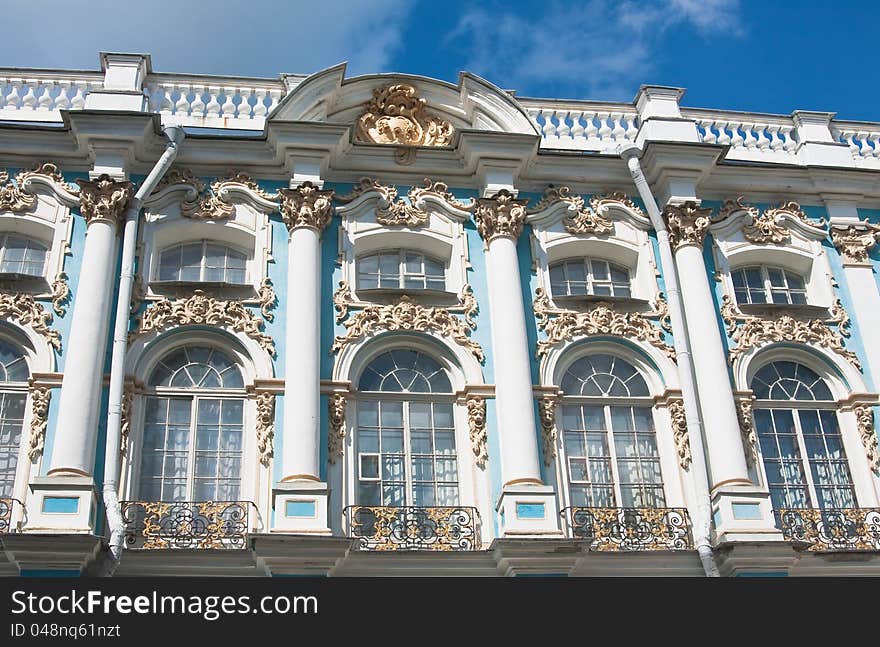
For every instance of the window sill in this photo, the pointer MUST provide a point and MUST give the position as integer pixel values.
(238, 290)
(625, 303)
(776, 309)
(16, 282)
(422, 295)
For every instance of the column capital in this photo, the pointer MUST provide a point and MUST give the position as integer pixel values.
(687, 224)
(306, 206)
(501, 216)
(855, 241)
(104, 198)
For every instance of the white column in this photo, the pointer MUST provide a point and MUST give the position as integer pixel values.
(300, 498)
(73, 451)
(527, 505)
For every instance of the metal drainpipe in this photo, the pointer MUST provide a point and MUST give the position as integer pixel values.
(681, 335)
(175, 136)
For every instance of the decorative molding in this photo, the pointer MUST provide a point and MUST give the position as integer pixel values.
(40, 397)
(336, 427)
(12, 197)
(201, 309)
(501, 216)
(579, 219)
(396, 212)
(599, 203)
(600, 319)
(868, 434)
(395, 115)
(680, 432)
(342, 300)
(22, 307)
(687, 224)
(476, 410)
(180, 176)
(469, 304)
(104, 198)
(138, 294)
(759, 330)
(130, 388)
(216, 205)
(266, 299)
(747, 429)
(306, 206)
(60, 294)
(855, 241)
(769, 226)
(549, 434)
(438, 190)
(265, 426)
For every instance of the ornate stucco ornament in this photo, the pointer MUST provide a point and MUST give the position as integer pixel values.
(855, 241)
(40, 397)
(600, 319)
(306, 206)
(747, 429)
(138, 294)
(60, 294)
(180, 176)
(680, 432)
(501, 216)
(129, 390)
(395, 115)
(201, 309)
(476, 409)
(336, 427)
(26, 311)
(342, 300)
(756, 331)
(393, 211)
(12, 198)
(266, 299)
(771, 225)
(216, 205)
(687, 224)
(865, 418)
(104, 198)
(549, 434)
(265, 426)
(579, 219)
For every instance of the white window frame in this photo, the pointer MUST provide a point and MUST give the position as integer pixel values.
(587, 262)
(248, 260)
(401, 253)
(769, 288)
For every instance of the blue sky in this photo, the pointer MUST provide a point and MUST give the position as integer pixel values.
(732, 54)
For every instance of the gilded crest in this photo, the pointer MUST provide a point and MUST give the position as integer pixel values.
(395, 115)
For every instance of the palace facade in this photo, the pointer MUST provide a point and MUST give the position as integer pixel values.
(321, 325)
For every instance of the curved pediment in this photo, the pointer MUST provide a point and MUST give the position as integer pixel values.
(403, 109)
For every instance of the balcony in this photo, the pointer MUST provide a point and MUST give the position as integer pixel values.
(163, 525)
(630, 529)
(385, 528)
(832, 530)
(7, 506)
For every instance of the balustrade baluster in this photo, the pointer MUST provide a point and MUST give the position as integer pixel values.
(260, 106)
(228, 107)
(29, 100)
(181, 106)
(197, 107)
(244, 108)
(274, 99)
(213, 107)
(563, 130)
(577, 129)
(78, 101)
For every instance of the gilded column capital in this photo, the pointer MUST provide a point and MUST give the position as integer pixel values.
(501, 216)
(855, 241)
(687, 224)
(104, 199)
(306, 206)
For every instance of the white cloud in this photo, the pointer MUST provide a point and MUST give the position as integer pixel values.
(598, 48)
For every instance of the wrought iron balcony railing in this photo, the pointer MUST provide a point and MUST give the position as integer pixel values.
(186, 524)
(451, 528)
(7, 504)
(830, 530)
(623, 529)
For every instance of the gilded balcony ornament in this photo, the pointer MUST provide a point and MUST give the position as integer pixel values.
(186, 524)
(868, 434)
(40, 397)
(630, 529)
(687, 224)
(265, 426)
(549, 433)
(60, 294)
(747, 429)
(395, 115)
(306, 206)
(266, 299)
(501, 216)
(104, 198)
(129, 389)
(600, 319)
(406, 314)
(12, 197)
(579, 219)
(832, 530)
(476, 410)
(756, 331)
(680, 433)
(204, 310)
(336, 430)
(341, 301)
(387, 528)
(23, 308)
(855, 241)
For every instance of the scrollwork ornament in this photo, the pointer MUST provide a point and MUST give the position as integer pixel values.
(680, 432)
(336, 428)
(40, 397)
(549, 434)
(868, 434)
(25, 310)
(341, 301)
(855, 242)
(501, 216)
(306, 206)
(129, 389)
(12, 198)
(267, 299)
(687, 224)
(60, 294)
(395, 115)
(438, 190)
(476, 409)
(469, 304)
(265, 426)
(104, 198)
(744, 414)
(579, 219)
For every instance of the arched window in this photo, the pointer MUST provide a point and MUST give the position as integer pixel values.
(609, 444)
(405, 433)
(766, 284)
(193, 428)
(400, 268)
(593, 276)
(805, 464)
(14, 374)
(20, 255)
(203, 261)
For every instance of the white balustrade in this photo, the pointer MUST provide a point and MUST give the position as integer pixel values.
(863, 139)
(31, 95)
(602, 128)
